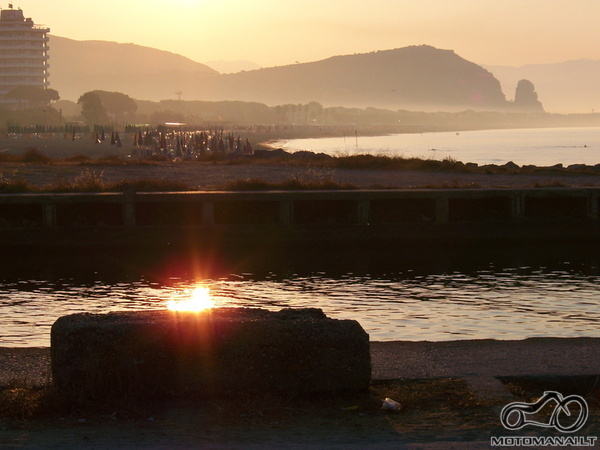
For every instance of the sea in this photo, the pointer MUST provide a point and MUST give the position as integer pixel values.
(537, 146)
(397, 297)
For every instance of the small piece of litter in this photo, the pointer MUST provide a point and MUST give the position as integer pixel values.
(392, 405)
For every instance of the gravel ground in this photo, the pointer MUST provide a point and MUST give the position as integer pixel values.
(210, 176)
(189, 427)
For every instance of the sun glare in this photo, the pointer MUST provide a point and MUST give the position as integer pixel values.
(199, 300)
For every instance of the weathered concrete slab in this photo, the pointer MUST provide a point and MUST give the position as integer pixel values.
(223, 350)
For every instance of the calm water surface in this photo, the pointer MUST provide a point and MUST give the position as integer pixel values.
(542, 147)
(492, 302)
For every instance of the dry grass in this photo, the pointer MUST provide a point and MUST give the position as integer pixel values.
(310, 159)
(15, 186)
(22, 402)
(318, 171)
(530, 388)
(18, 401)
(549, 184)
(453, 185)
(92, 181)
(294, 183)
(31, 155)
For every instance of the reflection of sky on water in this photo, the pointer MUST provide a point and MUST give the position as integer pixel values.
(508, 304)
(542, 147)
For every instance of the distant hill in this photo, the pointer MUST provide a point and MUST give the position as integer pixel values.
(140, 72)
(416, 77)
(232, 66)
(567, 87)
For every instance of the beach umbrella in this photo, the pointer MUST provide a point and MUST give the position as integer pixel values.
(179, 152)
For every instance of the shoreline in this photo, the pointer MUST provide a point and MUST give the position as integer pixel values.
(324, 131)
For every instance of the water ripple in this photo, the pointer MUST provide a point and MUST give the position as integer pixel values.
(512, 303)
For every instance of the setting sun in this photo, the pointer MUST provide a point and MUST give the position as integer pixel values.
(199, 300)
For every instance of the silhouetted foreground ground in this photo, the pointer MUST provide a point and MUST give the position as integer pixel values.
(449, 394)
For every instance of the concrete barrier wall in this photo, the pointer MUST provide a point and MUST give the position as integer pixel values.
(296, 207)
(300, 215)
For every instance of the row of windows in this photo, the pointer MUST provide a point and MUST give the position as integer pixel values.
(22, 62)
(22, 53)
(22, 43)
(9, 79)
(27, 25)
(22, 48)
(7, 87)
(25, 32)
(24, 70)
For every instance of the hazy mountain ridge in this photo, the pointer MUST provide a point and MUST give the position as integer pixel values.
(80, 66)
(416, 77)
(570, 86)
(410, 77)
(232, 66)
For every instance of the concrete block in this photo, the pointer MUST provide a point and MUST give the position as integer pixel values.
(159, 354)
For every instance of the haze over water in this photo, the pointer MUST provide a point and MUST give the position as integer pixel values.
(539, 146)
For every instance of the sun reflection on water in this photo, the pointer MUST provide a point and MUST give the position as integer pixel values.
(199, 300)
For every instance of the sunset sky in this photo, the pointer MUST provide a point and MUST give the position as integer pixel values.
(279, 32)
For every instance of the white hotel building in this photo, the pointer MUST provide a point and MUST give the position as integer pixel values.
(23, 53)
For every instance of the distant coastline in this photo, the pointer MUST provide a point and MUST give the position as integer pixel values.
(556, 147)
(432, 123)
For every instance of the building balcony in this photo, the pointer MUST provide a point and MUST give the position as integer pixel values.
(20, 56)
(22, 83)
(33, 32)
(12, 64)
(28, 43)
(23, 74)
(4, 35)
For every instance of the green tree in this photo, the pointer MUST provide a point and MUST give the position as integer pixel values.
(116, 103)
(92, 109)
(33, 94)
(102, 106)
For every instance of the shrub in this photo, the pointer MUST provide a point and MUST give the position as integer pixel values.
(33, 155)
(294, 183)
